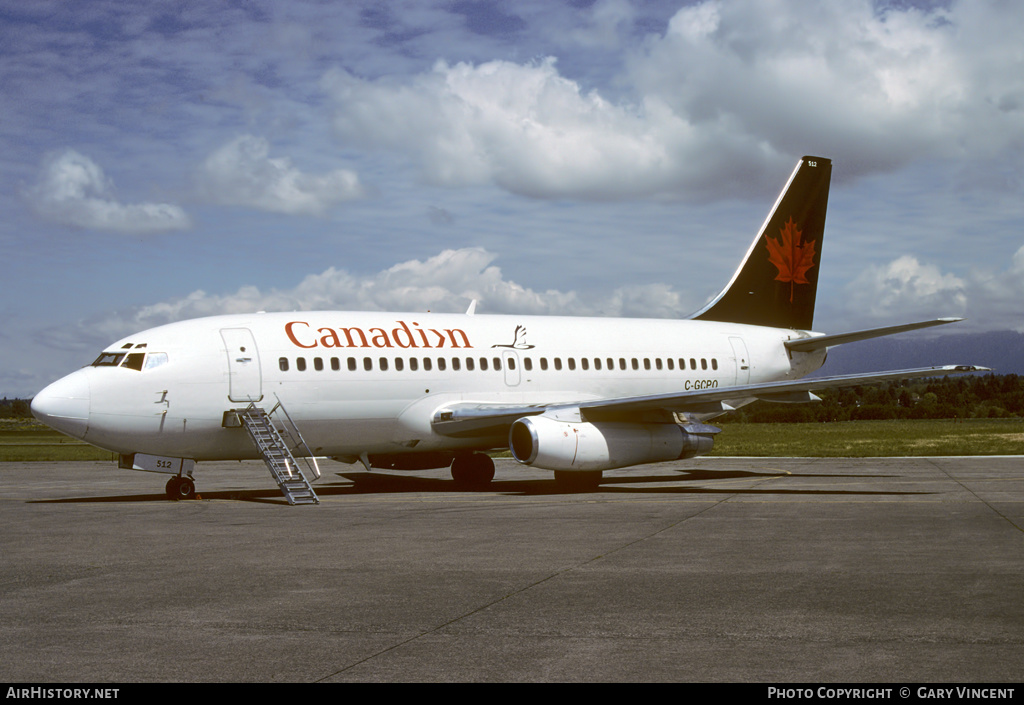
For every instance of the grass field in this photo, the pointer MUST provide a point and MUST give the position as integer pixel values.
(24, 440)
(866, 439)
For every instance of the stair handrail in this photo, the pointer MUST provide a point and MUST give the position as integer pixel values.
(278, 456)
(308, 458)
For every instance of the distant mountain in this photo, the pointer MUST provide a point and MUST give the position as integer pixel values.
(1003, 351)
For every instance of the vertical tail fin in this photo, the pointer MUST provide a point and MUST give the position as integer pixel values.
(777, 281)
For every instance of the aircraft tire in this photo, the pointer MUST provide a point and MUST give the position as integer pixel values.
(473, 470)
(578, 481)
(180, 488)
(172, 487)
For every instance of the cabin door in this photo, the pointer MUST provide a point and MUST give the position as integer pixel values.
(245, 380)
(739, 351)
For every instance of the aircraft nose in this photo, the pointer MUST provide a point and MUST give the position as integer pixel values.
(64, 405)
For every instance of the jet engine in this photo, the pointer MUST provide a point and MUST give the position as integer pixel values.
(544, 442)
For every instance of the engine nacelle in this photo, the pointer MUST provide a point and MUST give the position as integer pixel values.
(543, 442)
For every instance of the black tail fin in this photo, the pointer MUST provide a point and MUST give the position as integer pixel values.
(777, 282)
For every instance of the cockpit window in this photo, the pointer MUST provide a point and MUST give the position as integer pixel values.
(108, 359)
(132, 361)
(155, 360)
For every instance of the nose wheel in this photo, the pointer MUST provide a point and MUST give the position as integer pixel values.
(179, 487)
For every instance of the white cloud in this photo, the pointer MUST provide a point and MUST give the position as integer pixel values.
(446, 282)
(905, 289)
(604, 24)
(872, 85)
(72, 189)
(524, 127)
(730, 92)
(999, 296)
(242, 173)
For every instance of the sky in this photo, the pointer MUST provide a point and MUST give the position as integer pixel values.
(169, 160)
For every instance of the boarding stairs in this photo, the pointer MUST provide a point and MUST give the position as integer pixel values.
(272, 439)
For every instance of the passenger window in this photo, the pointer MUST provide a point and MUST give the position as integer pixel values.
(511, 363)
(622, 363)
(318, 363)
(483, 363)
(383, 364)
(528, 363)
(441, 364)
(558, 363)
(703, 363)
(335, 364)
(584, 363)
(636, 364)
(647, 363)
(671, 363)
(300, 364)
(352, 364)
(399, 364)
(413, 364)
(572, 363)
(427, 364)
(714, 363)
(496, 364)
(543, 363)
(367, 363)
(282, 363)
(597, 363)
(469, 364)
(693, 363)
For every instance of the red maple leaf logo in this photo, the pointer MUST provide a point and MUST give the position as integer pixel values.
(791, 257)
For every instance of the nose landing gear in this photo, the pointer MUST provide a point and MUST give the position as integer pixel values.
(181, 487)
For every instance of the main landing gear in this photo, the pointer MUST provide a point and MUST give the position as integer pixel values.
(578, 481)
(473, 470)
(181, 487)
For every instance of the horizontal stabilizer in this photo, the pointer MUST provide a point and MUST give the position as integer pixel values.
(827, 341)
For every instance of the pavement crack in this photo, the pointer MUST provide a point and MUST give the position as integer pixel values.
(978, 497)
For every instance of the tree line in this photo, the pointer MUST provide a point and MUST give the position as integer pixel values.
(14, 409)
(965, 397)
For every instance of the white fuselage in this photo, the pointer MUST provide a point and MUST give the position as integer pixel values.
(370, 382)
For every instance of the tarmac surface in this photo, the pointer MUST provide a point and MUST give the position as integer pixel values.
(773, 570)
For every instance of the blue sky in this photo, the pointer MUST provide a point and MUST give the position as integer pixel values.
(166, 160)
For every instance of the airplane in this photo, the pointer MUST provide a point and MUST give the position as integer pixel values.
(412, 391)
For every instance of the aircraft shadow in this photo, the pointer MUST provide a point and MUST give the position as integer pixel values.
(265, 496)
(384, 483)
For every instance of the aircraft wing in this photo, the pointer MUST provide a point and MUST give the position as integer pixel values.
(468, 419)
